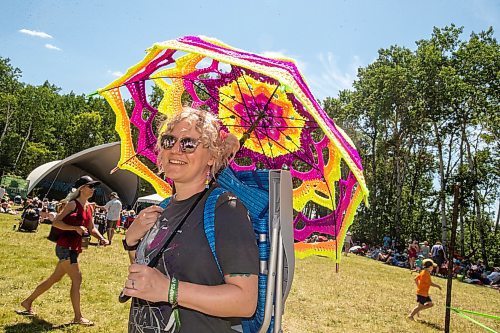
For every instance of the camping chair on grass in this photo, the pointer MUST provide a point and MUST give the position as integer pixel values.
(30, 219)
(267, 194)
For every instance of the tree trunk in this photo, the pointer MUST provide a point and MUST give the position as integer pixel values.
(374, 213)
(477, 205)
(7, 120)
(399, 184)
(22, 146)
(462, 210)
(442, 197)
(480, 225)
(498, 218)
(414, 181)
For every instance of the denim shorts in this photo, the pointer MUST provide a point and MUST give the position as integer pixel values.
(63, 253)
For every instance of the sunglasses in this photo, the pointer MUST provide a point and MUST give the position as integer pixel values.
(91, 186)
(187, 145)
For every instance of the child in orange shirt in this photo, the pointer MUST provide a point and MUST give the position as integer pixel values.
(423, 282)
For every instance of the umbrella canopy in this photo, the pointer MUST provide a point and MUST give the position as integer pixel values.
(266, 103)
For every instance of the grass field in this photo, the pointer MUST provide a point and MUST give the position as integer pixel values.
(366, 296)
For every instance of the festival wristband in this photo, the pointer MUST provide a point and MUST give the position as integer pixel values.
(129, 247)
(175, 316)
(173, 292)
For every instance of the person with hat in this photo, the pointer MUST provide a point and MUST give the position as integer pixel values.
(113, 208)
(424, 282)
(347, 242)
(74, 221)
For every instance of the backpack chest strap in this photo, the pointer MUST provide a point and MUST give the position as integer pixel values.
(209, 221)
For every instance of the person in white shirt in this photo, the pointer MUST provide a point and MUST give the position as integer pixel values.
(113, 208)
(2, 192)
(347, 242)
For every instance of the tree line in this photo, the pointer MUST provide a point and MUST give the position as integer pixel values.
(39, 125)
(423, 120)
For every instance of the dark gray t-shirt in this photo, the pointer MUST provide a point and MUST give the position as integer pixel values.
(189, 259)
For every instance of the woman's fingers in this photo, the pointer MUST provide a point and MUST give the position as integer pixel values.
(144, 282)
(81, 230)
(152, 209)
(137, 268)
(144, 221)
(130, 284)
(149, 215)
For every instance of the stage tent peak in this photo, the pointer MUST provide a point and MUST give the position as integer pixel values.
(54, 179)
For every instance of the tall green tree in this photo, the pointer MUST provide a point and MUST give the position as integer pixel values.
(423, 120)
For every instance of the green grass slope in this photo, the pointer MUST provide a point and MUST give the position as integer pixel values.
(366, 296)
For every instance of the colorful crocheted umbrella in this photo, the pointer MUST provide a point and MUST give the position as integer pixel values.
(266, 103)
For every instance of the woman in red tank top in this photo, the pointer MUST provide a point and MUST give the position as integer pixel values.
(413, 250)
(75, 220)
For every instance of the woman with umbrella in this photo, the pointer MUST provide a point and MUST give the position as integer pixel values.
(74, 220)
(186, 284)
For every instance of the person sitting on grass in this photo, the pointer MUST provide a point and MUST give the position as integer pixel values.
(424, 282)
(493, 279)
(374, 252)
(385, 256)
(6, 207)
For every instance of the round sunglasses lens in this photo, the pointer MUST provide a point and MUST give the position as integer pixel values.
(168, 141)
(188, 145)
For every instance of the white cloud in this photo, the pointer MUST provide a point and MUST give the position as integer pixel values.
(52, 47)
(115, 73)
(34, 33)
(332, 79)
(326, 79)
(283, 54)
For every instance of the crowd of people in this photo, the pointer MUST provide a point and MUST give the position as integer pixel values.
(413, 256)
(415, 253)
(6, 203)
(110, 218)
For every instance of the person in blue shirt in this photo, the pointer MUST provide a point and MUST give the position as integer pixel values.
(387, 241)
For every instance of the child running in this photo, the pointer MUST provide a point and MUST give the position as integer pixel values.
(423, 282)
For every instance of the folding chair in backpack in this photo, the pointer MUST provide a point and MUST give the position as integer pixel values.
(267, 194)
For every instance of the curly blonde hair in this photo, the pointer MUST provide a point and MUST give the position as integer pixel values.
(221, 147)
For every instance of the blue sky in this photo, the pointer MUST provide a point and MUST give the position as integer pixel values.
(83, 45)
